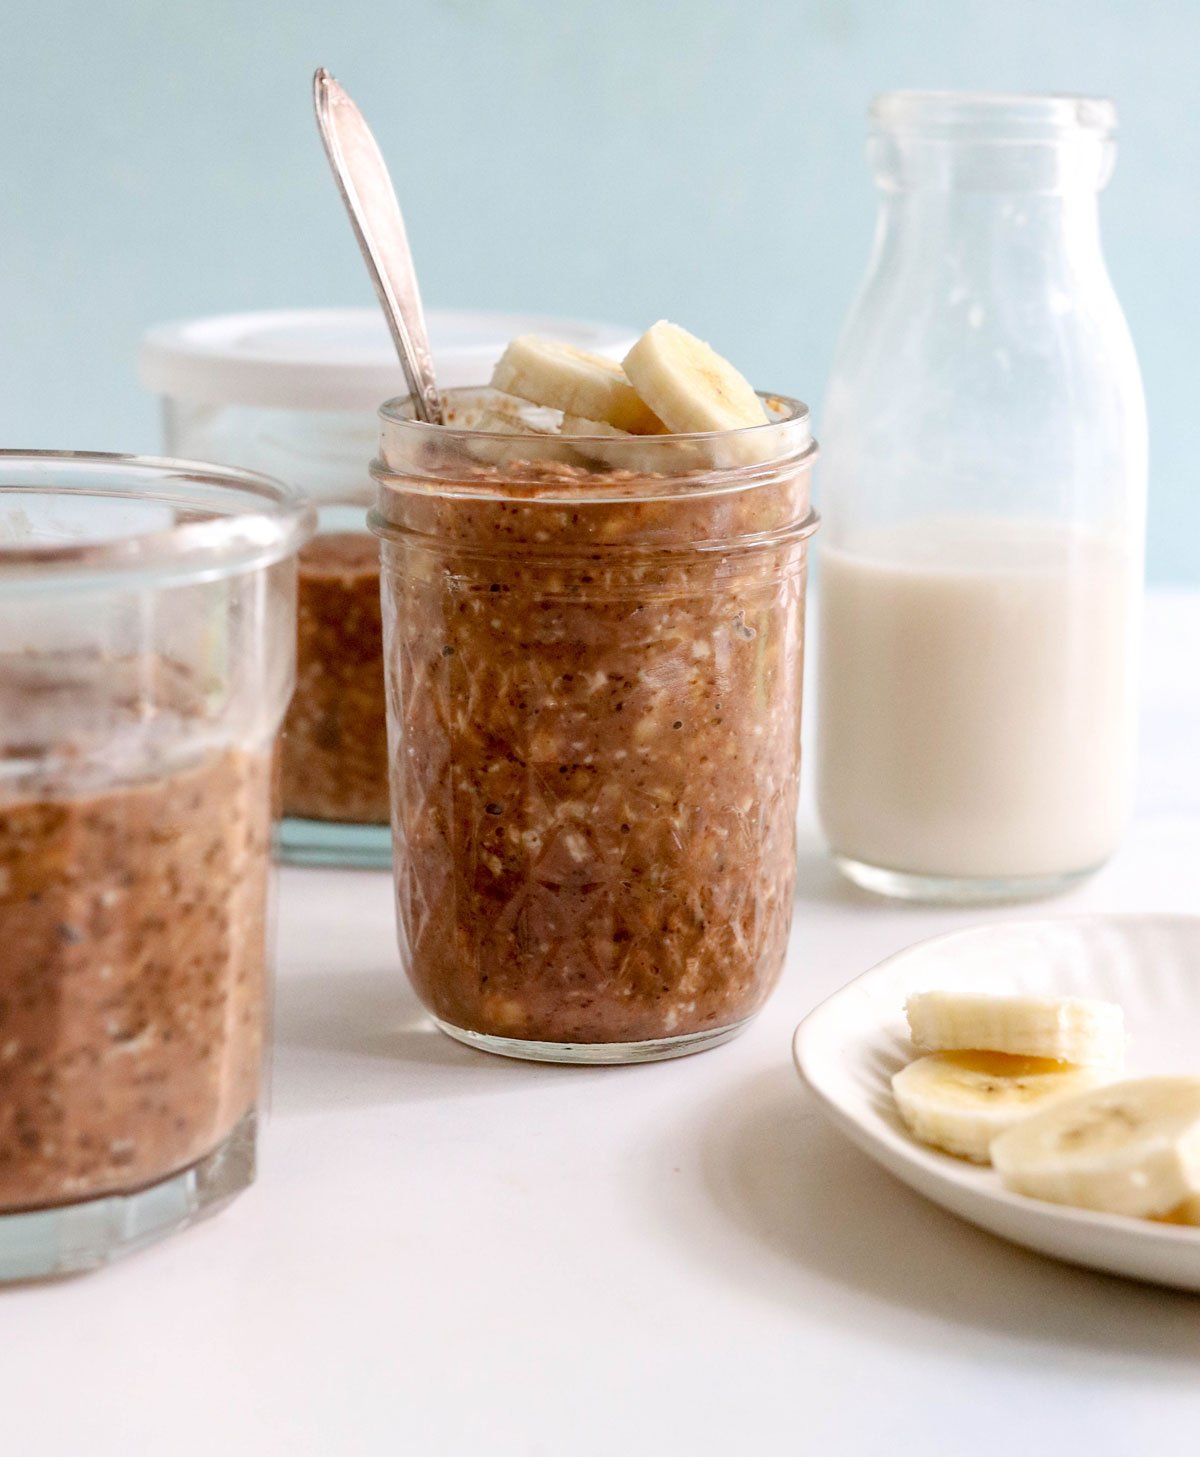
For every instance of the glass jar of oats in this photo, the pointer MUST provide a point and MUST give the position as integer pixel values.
(147, 648)
(295, 394)
(595, 654)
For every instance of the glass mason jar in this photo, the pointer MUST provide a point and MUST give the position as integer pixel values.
(295, 393)
(594, 651)
(985, 478)
(147, 649)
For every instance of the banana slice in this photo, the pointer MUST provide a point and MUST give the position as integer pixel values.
(687, 383)
(594, 445)
(528, 441)
(621, 450)
(961, 1101)
(496, 422)
(597, 429)
(548, 372)
(1186, 1213)
(1067, 1029)
(1129, 1148)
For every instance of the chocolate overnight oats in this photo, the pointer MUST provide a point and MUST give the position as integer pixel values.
(133, 895)
(595, 676)
(335, 734)
(147, 654)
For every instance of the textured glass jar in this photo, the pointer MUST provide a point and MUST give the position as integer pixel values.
(594, 652)
(147, 649)
(985, 477)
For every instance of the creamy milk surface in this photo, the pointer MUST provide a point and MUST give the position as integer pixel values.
(976, 698)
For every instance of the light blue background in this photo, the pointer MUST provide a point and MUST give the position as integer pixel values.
(619, 159)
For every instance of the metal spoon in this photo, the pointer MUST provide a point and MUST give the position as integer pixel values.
(362, 179)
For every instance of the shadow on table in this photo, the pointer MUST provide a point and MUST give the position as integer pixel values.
(799, 1201)
(359, 1039)
(818, 878)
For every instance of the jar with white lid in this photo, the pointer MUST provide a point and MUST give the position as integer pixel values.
(295, 394)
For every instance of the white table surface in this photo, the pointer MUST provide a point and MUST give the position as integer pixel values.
(450, 1253)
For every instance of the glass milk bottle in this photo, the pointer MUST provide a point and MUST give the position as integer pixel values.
(985, 477)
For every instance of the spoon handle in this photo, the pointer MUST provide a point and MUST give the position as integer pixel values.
(362, 179)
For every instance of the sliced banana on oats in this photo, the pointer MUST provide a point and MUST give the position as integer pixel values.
(1129, 1148)
(688, 385)
(523, 439)
(496, 422)
(644, 455)
(1066, 1029)
(549, 372)
(595, 429)
(961, 1101)
(594, 445)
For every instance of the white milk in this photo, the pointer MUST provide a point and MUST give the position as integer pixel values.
(976, 698)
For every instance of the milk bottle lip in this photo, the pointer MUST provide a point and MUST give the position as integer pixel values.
(995, 115)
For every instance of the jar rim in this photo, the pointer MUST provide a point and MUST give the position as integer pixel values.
(994, 114)
(636, 467)
(183, 521)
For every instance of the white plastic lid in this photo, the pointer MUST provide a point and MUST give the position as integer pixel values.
(336, 359)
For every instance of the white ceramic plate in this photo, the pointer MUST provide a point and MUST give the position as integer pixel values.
(849, 1047)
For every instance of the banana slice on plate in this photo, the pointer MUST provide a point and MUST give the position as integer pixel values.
(961, 1101)
(1187, 1213)
(1066, 1029)
(1129, 1148)
(549, 372)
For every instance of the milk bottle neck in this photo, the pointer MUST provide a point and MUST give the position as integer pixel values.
(979, 142)
(980, 191)
(973, 239)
